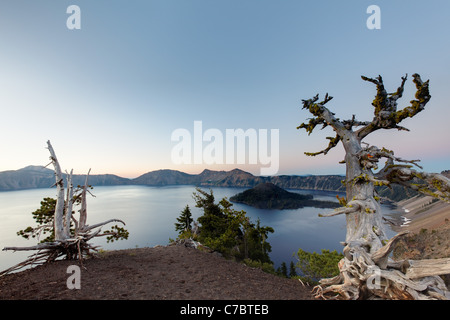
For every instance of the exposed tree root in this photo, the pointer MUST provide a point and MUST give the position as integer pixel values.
(76, 248)
(367, 276)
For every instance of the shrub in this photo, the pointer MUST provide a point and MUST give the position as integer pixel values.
(315, 266)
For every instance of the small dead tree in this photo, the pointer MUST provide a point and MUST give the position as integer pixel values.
(366, 271)
(68, 243)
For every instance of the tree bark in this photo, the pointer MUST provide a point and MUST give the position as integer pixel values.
(59, 210)
(83, 210)
(69, 206)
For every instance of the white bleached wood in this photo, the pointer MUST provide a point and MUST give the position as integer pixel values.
(83, 210)
(59, 209)
(69, 205)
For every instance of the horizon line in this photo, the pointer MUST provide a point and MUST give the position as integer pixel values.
(167, 169)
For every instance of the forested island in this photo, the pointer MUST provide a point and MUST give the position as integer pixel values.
(269, 196)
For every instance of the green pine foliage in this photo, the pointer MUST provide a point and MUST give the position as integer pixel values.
(116, 233)
(292, 270)
(315, 266)
(264, 266)
(283, 269)
(44, 217)
(229, 231)
(184, 221)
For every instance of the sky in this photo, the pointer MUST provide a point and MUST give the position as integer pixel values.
(110, 95)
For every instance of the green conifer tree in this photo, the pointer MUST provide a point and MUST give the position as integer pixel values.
(184, 221)
(292, 270)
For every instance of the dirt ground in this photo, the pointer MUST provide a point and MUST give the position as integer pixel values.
(160, 273)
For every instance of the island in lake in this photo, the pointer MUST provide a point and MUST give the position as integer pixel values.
(270, 196)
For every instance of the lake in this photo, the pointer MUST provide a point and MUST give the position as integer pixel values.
(150, 214)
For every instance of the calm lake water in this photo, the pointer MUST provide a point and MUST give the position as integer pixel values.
(150, 214)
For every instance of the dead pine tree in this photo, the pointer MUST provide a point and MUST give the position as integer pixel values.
(69, 243)
(367, 271)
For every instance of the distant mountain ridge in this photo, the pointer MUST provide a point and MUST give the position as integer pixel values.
(238, 178)
(39, 177)
(32, 177)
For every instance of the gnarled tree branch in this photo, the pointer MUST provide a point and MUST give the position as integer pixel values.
(386, 115)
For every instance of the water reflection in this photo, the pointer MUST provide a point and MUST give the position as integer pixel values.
(150, 214)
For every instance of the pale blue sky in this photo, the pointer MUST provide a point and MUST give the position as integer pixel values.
(109, 96)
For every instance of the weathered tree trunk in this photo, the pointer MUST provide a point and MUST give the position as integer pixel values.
(59, 210)
(69, 206)
(83, 210)
(366, 271)
(365, 222)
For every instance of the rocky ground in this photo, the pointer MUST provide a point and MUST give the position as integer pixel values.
(428, 222)
(160, 273)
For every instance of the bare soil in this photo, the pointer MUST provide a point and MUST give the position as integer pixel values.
(161, 273)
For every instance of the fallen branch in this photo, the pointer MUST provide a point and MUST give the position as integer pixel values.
(428, 267)
(87, 227)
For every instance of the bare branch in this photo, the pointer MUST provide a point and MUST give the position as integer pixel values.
(354, 123)
(353, 206)
(323, 117)
(381, 102)
(380, 257)
(435, 184)
(39, 246)
(386, 115)
(333, 143)
(370, 155)
(399, 93)
(313, 122)
(87, 228)
(422, 96)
